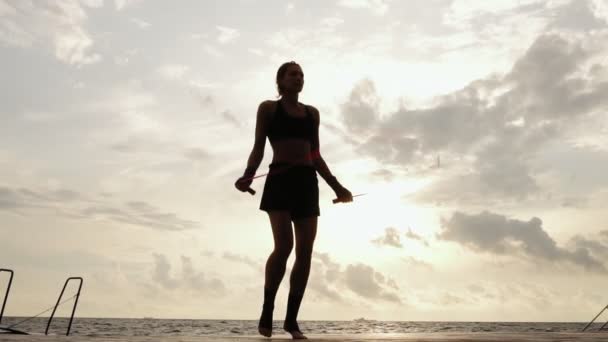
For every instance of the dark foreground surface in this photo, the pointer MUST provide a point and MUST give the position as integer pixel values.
(421, 337)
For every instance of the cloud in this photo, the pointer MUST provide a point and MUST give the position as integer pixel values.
(243, 260)
(190, 279)
(162, 267)
(490, 131)
(74, 205)
(92, 3)
(229, 117)
(579, 16)
(328, 280)
(378, 7)
(496, 234)
(364, 281)
(332, 22)
(416, 263)
(204, 100)
(227, 34)
(142, 24)
(449, 299)
(362, 108)
(173, 71)
(123, 4)
(60, 23)
(325, 277)
(197, 154)
(595, 246)
(413, 236)
(140, 214)
(390, 238)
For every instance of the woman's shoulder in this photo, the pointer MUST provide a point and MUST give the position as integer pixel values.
(267, 106)
(313, 111)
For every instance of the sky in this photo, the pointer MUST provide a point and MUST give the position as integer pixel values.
(477, 129)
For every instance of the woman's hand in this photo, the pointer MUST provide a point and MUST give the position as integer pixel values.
(343, 194)
(243, 184)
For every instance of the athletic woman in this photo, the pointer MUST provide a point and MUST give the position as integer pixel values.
(291, 192)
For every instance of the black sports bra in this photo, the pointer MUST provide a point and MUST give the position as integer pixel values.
(285, 126)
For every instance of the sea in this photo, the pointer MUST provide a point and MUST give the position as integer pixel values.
(92, 327)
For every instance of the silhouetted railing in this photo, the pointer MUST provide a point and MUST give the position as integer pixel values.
(8, 289)
(59, 300)
(596, 316)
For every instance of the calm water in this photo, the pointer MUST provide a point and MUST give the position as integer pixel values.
(182, 327)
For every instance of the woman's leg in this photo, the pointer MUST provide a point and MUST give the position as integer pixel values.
(306, 231)
(275, 265)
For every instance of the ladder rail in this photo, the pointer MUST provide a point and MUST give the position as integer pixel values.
(8, 289)
(59, 300)
(596, 316)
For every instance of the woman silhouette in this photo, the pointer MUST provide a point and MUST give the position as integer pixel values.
(291, 192)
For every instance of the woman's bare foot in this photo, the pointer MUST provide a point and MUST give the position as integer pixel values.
(265, 324)
(297, 335)
(265, 331)
(294, 330)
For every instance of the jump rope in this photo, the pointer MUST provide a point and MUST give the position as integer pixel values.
(281, 170)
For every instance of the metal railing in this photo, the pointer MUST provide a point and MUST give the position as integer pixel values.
(594, 318)
(59, 300)
(8, 289)
(10, 329)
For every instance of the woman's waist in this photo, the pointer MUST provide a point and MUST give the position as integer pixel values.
(290, 164)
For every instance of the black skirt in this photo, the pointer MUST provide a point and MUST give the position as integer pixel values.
(293, 188)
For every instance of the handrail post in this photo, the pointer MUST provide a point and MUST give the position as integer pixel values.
(593, 320)
(59, 300)
(8, 289)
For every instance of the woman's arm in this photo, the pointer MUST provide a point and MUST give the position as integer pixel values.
(315, 152)
(343, 194)
(261, 128)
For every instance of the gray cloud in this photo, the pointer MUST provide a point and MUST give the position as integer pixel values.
(391, 238)
(496, 234)
(362, 280)
(324, 277)
(416, 263)
(190, 279)
(197, 154)
(577, 15)
(197, 280)
(204, 100)
(448, 299)
(162, 268)
(229, 117)
(362, 108)
(413, 236)
(366, 282)
(574, 202)
(22, 198)
(74, 205)
(386, 174)
(497, 125)
(141, 214)
(595, 246)
(476, 289)
(61, 24)
(243, 260)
